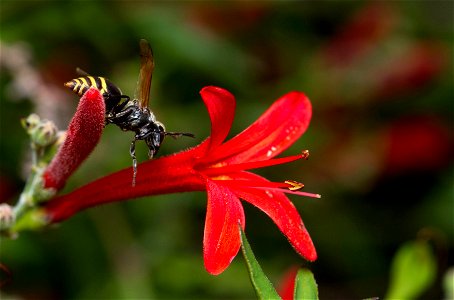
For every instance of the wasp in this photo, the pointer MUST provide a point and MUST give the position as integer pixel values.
(130, 115)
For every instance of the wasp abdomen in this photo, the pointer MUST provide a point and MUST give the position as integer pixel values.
(111, 93)
(82, 84)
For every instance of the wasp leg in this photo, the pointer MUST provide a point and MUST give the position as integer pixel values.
(115, 103)
(151, 153)
(152, 144)
(122, 116)
(132, 152)
(122, 105)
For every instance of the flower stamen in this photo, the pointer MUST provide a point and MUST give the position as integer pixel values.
(294, 185)
(212, 170)
(287, 191)
(282, 187)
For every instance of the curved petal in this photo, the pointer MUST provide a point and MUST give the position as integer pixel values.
(221, 108)
(279, 208)
(278, 128)
(221, 240)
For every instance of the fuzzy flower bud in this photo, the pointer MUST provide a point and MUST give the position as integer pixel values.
(84, 132)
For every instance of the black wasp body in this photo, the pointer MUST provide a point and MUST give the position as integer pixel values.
(129, 115)
(124, 112)
(143, 122)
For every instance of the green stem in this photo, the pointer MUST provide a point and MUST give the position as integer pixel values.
(33, 193)
(45, 140)
(27, 197)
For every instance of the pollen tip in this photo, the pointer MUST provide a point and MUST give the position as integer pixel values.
(305, 154)
(294, 185)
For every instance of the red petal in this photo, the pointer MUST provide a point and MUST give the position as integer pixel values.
(83, 134)
(221, 240)
(278, 128)
(221, 108)
(279, 208)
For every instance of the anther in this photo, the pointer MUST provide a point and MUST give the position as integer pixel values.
(294, 185)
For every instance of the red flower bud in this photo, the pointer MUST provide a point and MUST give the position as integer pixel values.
(84, 132)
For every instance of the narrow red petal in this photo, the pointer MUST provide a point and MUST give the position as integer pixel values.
(83, 134)
(278, 128)
(216, 170)
(165, 175)
(279, 208)
(221, 108)
(221, 240)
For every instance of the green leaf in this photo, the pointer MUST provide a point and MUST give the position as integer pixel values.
(262, 285)
(305, 285)
(413, 271)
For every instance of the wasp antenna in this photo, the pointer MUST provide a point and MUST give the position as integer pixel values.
(179, 134)
(189, 135)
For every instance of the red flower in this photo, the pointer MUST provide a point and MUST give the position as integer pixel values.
(219, 168)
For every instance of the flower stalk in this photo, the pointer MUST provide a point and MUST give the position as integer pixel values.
(45, 139)
(55, 156)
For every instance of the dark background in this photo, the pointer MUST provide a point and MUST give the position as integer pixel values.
(379, 75)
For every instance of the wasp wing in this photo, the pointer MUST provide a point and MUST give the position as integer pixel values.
(142, 92)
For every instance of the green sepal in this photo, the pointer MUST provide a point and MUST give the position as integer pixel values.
(42, 132)
(305, 285)
(31, 220)
(262, 285)
(49, 151)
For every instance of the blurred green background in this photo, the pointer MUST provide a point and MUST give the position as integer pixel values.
(380, 78)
